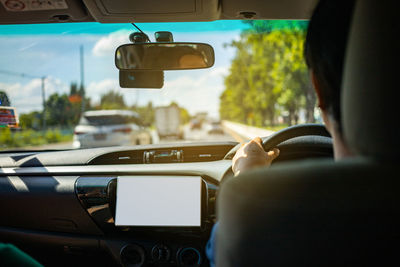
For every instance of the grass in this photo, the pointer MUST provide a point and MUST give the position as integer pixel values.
(14, 139)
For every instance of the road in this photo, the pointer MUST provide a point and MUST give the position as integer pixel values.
(189, 136)
(195, 135)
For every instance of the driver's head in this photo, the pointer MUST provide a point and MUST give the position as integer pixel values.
(192, 61)
(325, 51)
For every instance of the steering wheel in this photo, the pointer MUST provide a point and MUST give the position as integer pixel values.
(275, 139)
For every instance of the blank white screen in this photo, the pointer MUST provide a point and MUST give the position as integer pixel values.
(158, 201)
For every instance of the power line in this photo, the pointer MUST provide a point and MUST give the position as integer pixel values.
(23, 75)
(147, 37)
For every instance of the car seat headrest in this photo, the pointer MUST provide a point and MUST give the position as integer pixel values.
(371, 82)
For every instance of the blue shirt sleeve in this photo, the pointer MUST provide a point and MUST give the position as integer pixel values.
(210, 247)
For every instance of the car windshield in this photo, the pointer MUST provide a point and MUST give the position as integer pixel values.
(57, 81)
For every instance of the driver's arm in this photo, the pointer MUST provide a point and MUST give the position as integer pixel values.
(252, 155)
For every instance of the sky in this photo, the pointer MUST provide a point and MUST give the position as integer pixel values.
(52, 50)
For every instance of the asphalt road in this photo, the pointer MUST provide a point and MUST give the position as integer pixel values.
(189, 136)
(195, 135)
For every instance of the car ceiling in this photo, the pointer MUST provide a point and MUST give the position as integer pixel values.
(123, 11)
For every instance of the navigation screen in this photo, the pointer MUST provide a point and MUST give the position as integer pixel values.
(158, 201)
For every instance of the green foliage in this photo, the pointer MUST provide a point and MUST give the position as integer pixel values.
(5, 137)
(53, 136)
(184, 114)
(73, 89)
(31, 120)
(59, 110)
(112, 100)
(24, 138)
(62, 112)
(268, 76)
(262, 26)
(146, 114)
(4, 100)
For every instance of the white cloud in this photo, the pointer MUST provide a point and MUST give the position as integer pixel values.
(220, 71)
(197, 91)
(107, 45)
(96, 89)
(30, 45)
(28, 97)
(197, 94)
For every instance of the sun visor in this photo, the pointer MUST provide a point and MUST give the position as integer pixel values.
(153, 11)
(28, 11)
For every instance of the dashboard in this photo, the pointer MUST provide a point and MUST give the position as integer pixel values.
(78, 207)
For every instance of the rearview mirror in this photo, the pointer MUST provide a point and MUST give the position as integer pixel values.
(164, 56)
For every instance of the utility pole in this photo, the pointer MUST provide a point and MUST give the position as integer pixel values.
(43, 79)
(82, 79)
(137, 99)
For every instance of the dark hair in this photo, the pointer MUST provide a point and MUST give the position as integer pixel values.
(325, 47)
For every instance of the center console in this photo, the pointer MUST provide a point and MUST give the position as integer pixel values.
(151, 220)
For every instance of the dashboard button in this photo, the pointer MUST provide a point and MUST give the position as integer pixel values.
(132, 255)
(189, 257)
(160, 253)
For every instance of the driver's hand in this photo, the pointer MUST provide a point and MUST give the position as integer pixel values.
(252, 155)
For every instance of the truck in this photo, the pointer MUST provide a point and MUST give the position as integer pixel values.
(9, 118)
(168, 122)
(8, 115)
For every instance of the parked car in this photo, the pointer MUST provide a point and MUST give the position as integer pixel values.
(101, 128)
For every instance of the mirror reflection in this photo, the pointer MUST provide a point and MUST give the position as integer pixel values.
(164, 56)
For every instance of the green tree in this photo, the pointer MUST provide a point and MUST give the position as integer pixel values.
(59, 111)
(112, 100)
(232, 101)
(73, 89)
(4, 100)
(30, 120)
(268, 75)
(75, 98)
(184, 114)
(289, 72)
(146, 114)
